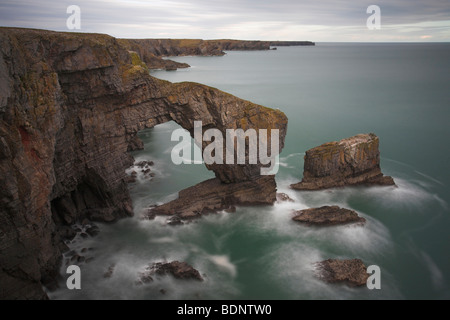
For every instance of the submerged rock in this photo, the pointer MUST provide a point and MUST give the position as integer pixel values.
(175, 221)
(282, 197)
(92, 230)
(144, 164)
(351, 161)
(144, 278)
(180, 270)
(327, 216)
(351, 272)
(108, 274)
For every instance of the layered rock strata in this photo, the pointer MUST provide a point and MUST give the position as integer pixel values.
(212, 195)
(70, 108)
(351, 161)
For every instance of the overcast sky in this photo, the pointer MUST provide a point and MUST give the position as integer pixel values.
(316, 20)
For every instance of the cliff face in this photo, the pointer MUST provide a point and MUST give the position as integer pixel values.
(70, 108)
(351, 161)
(151, 50)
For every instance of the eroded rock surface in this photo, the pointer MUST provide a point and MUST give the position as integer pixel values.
(213, 195)
(71, 105)
(351, 272)
(351, 161)
(177, 269)
(327, 216)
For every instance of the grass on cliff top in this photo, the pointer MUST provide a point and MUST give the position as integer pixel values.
(187, 43)
(136, 60)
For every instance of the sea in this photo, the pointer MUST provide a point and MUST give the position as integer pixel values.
(331, 91)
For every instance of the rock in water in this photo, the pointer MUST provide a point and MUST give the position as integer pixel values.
(351, 272)
(283, 197)
(213, 195)
(179, 270)
(108, 274)
(351, 161)
(327, 216)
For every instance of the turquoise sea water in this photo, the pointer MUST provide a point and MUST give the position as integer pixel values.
(401, 92)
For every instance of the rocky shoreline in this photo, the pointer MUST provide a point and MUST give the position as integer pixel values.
(152, 51)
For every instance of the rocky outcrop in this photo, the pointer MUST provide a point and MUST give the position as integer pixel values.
(291, 43)
(283, 197)
(151, 51)
(177, 269)
(351, 161)
(212, 195)
(109, 273)
(351, 272)
(327, 216)
(70, 107)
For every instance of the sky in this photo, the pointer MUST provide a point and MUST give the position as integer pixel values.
(319, 21)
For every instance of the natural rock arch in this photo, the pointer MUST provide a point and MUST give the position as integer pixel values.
(71, 106)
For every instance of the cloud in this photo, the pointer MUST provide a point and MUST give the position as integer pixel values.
(327, 20)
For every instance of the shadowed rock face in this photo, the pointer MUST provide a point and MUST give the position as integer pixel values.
(351, 161)
(351, 272)
(70, 108)
(327, 216)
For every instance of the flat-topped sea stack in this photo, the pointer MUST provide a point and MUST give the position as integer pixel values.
(327, 216)
(351, 161)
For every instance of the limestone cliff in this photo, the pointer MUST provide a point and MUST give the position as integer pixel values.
(70, 108)
(351, 161)
(151, 50)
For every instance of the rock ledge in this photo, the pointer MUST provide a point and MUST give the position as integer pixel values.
(327, 216)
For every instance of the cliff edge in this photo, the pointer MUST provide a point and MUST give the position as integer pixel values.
(151, 51)
(70, 108)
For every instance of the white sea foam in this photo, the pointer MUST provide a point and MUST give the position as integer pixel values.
(223, 261)
(437, 278)
(163, 240)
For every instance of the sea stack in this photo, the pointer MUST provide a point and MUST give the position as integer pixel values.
(351, 161)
